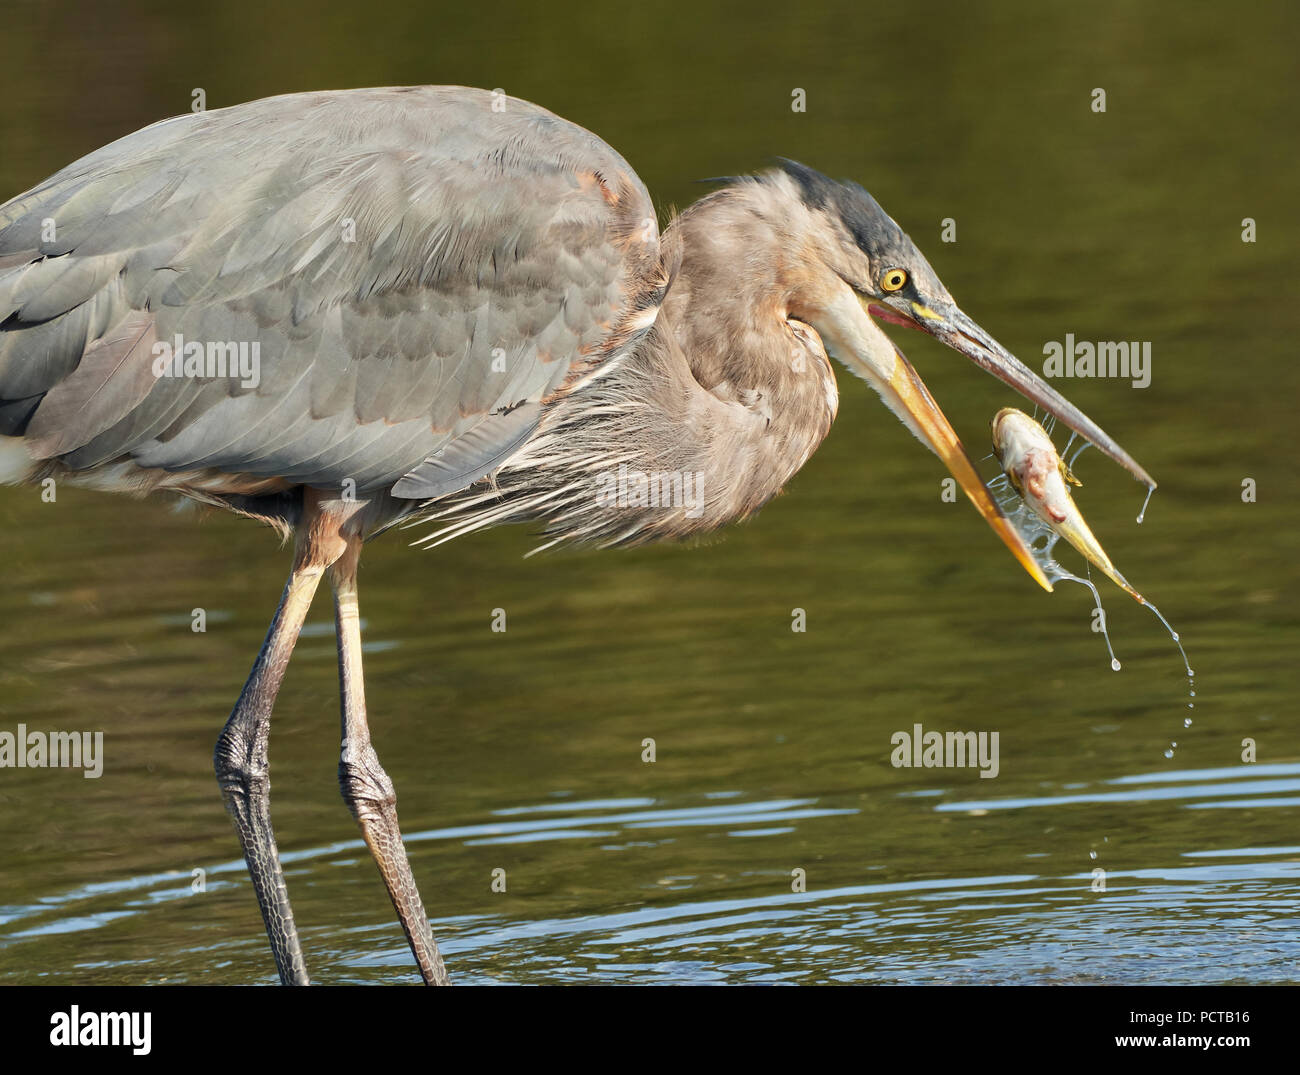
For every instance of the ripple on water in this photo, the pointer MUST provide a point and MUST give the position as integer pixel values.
(750, 925)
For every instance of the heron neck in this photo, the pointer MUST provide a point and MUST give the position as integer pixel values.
(698, 423)
(716, 408)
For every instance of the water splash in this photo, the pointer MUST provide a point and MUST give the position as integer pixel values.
(1041, 540)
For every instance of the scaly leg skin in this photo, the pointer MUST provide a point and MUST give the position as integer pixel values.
(365, 786)
(240, 760)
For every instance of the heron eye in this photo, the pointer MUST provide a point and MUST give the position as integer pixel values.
(893, 279)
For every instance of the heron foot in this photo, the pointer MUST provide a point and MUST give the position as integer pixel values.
(246, 788)
(370, 796)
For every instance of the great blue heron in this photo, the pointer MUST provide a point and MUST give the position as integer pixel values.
(460, 309)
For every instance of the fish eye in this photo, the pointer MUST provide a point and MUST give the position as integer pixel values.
(893, 280)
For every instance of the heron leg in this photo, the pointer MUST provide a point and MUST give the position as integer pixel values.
(240, 758)
(366, 788)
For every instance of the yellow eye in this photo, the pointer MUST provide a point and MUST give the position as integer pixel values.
(893, 280)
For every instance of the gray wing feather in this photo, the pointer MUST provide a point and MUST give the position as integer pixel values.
(471, 456)
(418, 271)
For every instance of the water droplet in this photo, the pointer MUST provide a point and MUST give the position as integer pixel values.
(1175, 636)
(1187, 722)
(1114, 664)
(1191, 705)
(1192, 693)
(1169, 753)
(1174, 745)
(1142, 514)
(1092, 854)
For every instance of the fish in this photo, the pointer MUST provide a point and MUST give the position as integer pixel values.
(1030, 461)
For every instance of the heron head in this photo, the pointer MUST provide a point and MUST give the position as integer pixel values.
(863, 271)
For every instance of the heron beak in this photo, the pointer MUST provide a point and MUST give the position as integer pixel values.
(906, 395)
(963, 335)
(1080, 535)
(852, 337)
